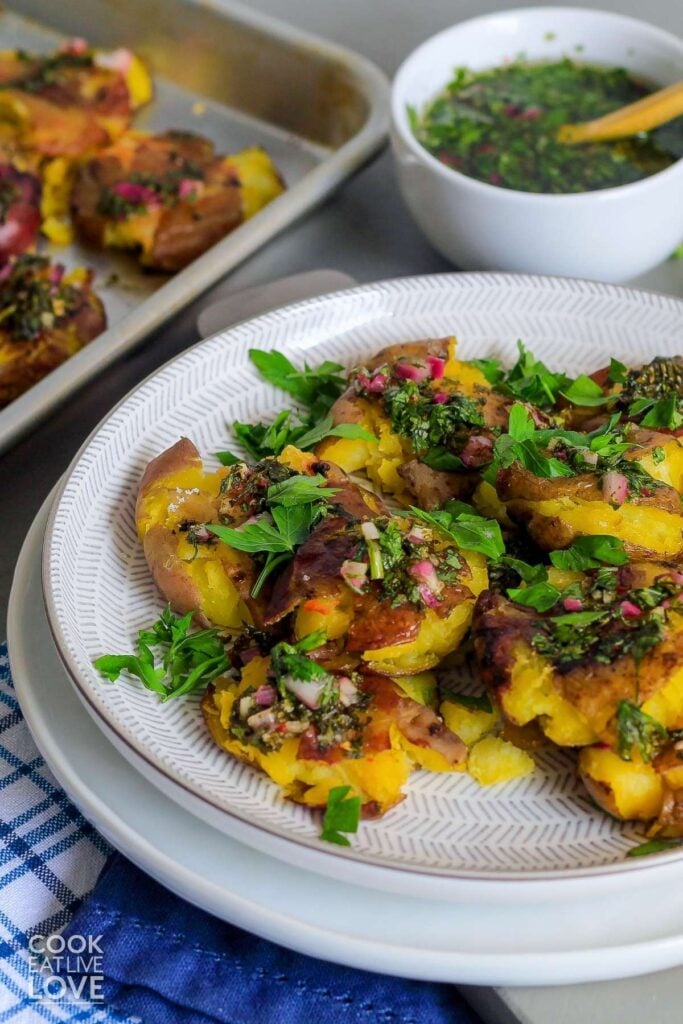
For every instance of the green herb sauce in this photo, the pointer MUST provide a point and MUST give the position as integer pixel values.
(500, 126)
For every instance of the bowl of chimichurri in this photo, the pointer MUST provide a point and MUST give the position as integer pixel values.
(475, 113)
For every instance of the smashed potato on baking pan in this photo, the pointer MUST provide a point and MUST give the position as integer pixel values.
(46, 314)
(332, 623)
(168, 197)
(71, 165)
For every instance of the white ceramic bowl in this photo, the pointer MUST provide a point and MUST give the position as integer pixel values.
(612, 234)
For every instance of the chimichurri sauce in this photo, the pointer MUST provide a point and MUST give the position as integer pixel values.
(499, 126)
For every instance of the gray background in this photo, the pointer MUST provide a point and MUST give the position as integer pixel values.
(363, 231)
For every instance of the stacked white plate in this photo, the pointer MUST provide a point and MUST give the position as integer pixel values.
(459, 883)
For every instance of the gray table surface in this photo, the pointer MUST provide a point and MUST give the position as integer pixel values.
(364, 231)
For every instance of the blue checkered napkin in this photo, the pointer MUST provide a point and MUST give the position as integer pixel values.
(50, 858)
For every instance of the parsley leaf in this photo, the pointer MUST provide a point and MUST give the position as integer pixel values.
(326, 428)
(342, 815)
(188, 660)
(590, 553)
(585, 392)
(316, 389)
(466, 529)
(635, 728)
(541, 596)
(441, 459)
(617, 371)
(293, 507)
(523, 444)
(530, 380)
(299, 490)
(654, 845)
(665, 412)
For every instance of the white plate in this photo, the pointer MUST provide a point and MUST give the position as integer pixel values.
(470, 944)
(99, 591)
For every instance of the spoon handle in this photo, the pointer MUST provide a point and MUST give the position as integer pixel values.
(653, 110)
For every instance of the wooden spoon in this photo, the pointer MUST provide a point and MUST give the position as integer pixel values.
(653, 110)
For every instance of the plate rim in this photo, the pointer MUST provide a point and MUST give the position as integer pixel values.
(336, 854)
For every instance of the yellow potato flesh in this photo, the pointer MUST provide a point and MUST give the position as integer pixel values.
(638, 525)
(669, 469)
(494, 760)
(532, 694)
(381, 460)
(469, 724)
(168, 502)
(636, 789)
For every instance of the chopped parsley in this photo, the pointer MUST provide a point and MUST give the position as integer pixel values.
(609, 625)
(636, 729)
(464, 527)
(189, 660)
(529, 380)
(654, 846)
(341, 815)
(34, 298)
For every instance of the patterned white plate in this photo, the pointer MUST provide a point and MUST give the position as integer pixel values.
(99, 593)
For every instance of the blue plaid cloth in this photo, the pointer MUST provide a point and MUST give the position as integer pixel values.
(155, 958)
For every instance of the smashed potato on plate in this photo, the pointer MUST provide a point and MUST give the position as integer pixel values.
(435, 418)
(312, 729)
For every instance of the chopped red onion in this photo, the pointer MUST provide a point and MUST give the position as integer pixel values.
(189, 187)
(615, 487)
(77, 45)
(428, 597)
(630, 610)
(307, 691)
(477, 451)
(440, 398)
(590, 458)
(262, 720)
(437, 366)
(265, 695)
(416, 535)
(409, 371)
(374, 384)
(354, 574)
(677, 577)
(348, 691)
(117, 60)
(133, 192)
(425, 572)
(369, 531)
(572, 604)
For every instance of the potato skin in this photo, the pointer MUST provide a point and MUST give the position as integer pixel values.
(213, 581)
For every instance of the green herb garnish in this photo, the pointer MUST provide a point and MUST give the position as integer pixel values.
(590, 553)
(189, 660)
(342, 815)
(654, 846)
(470, 701)
(292, 508)
(467, 529)
(635, 728)
(316, 390)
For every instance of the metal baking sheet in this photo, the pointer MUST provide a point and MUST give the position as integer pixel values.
(241, 80)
